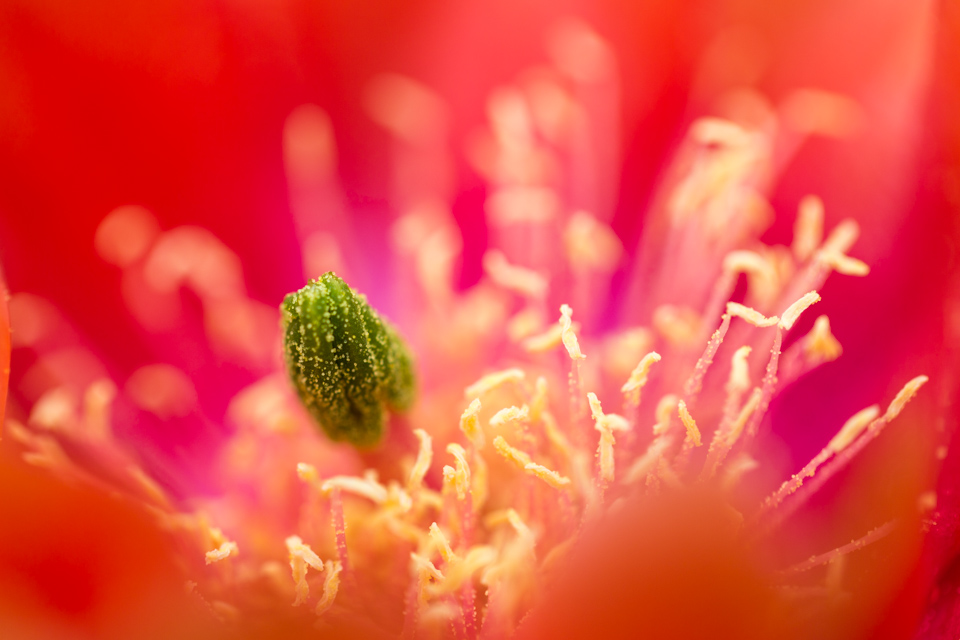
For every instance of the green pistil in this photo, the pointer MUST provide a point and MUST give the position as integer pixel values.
(348, 364)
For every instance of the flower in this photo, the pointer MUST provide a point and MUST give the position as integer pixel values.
(589, 438)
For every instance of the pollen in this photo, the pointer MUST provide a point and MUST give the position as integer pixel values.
(224, 551)
(853, 427)
(509, 414)
(638, 378)
(301, 557)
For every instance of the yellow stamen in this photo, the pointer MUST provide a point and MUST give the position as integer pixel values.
(842, 237)
(521, 280)
(512, 454)
(638, 378)
(843, 264)
(424, 458)
(903, 397)
(470, 424)
(820, 345)
(664, 413)
(739, 380)
(442, 545)
(751, 315)
(550, 339)
(222, 552)
(567, 335)
(331, 584)
(852, 428)
(366, 487)
(549, 476)
(693, 433)
(491, 381)
(301, 557)
(808, 229)
(461, 477)
(510, 414)
(792, 313)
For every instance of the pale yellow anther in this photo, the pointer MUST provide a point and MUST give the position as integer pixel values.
(442, 545)
(591, 244)
(475, 559)
(789, 317)
(492, 381)
(842, 237)
(606, 421)
(693, 433)
(745, 412)
(716, 131)
(521, 280)
(808, 229)
(424, 458)
(224, 551)
(739, 380)
(512, 454)
(549, 476)
(567, 335)
(366, 487)
(853, 427)
(904, 396)
(678, 325)
(638, 377)
(549, 339)
(510, 414)
(470, 424)
(605, 455)
(426, 571)
(524, 324)
(301, 557)
(461, 477)
(307, 473)
(664, 413)
(331, 585)
(540, 400)
(843, 264)
(596, 411)
(518, 524)
(820, 344)
(751, 315)
(556, 436)
(744, 261)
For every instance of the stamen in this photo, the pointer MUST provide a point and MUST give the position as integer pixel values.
(510, 414)
(302, 556)
(549, 476)
(638, 379)
(843, 264)
(695, 382)
(331, 584)
(512, 454)
(664, 413)
(808, 229)
(550, 339)
(855, 545)
(470, 424)
(693, 433)
(491, 381)
(462, 475)
(843, 236)
(792, 313)
(606, 424)
(424, 457)
(225, 550)
(646, 463)
(568, 336)
(751, 315)
(442, 545)
(521, 280)
(365, 487)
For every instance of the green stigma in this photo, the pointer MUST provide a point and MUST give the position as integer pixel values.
(348, 364)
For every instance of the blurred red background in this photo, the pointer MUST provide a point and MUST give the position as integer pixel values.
(179, 106)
